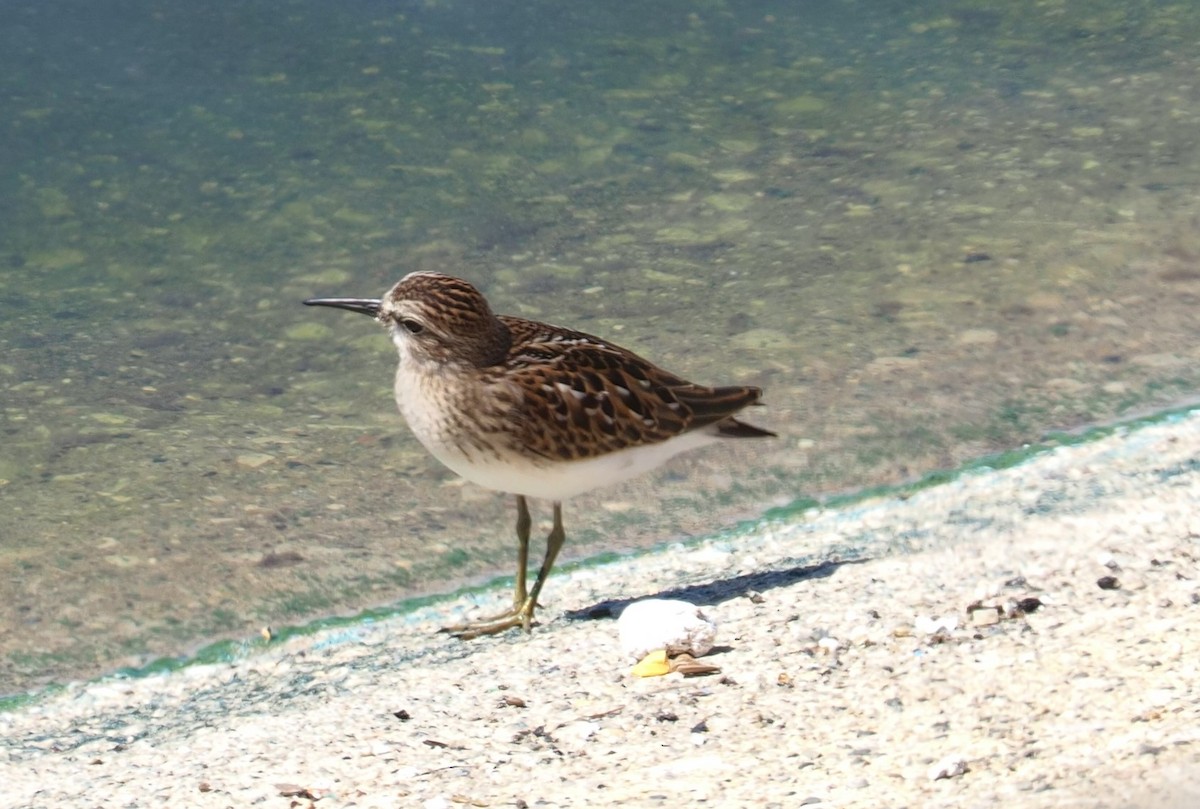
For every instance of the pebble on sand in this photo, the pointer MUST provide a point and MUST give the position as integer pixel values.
(951, 766)
(676, 627)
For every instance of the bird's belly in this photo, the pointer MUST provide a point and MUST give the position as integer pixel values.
(559, 480)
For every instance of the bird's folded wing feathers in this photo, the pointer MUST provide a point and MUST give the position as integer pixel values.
(590, 393)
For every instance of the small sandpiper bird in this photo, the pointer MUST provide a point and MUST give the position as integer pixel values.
(535, 410)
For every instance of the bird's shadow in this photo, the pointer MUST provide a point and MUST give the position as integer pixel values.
(715, 592)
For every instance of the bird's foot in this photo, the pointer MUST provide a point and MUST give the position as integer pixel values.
(521, 615)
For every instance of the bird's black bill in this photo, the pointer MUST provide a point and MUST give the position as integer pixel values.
(364, 306)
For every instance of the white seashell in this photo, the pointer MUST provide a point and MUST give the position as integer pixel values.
(657, 623)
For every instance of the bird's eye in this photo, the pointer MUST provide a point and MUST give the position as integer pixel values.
(411, 326)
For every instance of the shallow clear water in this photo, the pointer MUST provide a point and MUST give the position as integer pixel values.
(930, 230)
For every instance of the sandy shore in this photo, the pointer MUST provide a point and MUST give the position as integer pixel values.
(853, 672)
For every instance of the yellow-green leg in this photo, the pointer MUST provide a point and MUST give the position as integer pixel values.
(524, 604)
(524, 523)
(554, 543)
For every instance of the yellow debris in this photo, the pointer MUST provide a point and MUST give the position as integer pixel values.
(654, 664)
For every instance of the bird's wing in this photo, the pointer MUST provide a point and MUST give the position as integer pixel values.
(582, 396)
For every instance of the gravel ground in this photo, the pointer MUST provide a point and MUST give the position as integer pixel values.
(854, 671)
